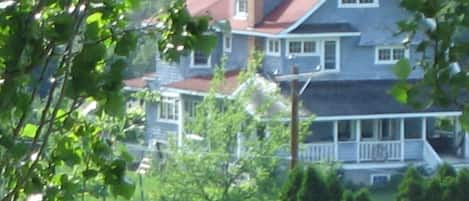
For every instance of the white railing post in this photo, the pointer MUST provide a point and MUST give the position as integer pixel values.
(336, 140)
(358, 139)
(424, 128)
(180, 120)
(402, 133)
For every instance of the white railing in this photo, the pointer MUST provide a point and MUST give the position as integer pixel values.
(430, 156)
(380, 151)
(317, 152)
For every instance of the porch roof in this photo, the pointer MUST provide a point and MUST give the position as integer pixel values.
(354, 98)
(325, 28)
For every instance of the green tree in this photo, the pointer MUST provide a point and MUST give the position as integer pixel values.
(348, 196)
(362, 195)
(412, 188)
(334, 186)
(313, 187)
(214, 167)
(293, 185)
(74, 51)
(443, 54)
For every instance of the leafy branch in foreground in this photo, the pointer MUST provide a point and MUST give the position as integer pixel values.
(55, 56)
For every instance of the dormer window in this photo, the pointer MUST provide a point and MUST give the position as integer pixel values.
(200, 60)
(241, 8)
(358, 3)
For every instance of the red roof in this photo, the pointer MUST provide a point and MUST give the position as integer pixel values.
(203, 83)
(139, 82)
(281, 18)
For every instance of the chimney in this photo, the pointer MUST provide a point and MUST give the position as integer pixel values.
(255, 12)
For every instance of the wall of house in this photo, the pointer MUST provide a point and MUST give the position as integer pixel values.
(156, 129)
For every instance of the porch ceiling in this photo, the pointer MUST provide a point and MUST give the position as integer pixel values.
(353, 98)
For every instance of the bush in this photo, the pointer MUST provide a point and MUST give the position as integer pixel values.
(293, 185)
(334, 187)
(313, 187)
(412, 187)
(362, 195)
(463, 183)
(445, 170)
(348, 196)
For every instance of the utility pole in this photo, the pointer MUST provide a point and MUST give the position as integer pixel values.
(294, 118)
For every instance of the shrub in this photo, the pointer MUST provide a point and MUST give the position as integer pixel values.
(293, 185)
(362, 195)
(313, 187)
(445, 170)
(334, 187)
(348, 196)
(412, 187)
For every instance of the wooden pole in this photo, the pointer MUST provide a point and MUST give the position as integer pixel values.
(294, 119)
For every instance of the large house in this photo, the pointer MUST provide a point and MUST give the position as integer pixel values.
(353, 45)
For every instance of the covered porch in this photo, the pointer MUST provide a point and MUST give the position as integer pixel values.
(371, 139)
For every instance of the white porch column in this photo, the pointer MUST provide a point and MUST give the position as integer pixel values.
(336, 140)
(358, 138)
(180, 120)
(424, 129)
(402, 133)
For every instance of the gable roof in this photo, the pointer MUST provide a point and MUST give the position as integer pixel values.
(283, 17)
(139, 82)
(202, 84)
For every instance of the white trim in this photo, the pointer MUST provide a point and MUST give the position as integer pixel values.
(391, 54)
(388, 116)
(337, 52)
(304, 18)
(174, 101)
(302, 47)
(205, 66)
(267, 46)
(286, 35)
(402, 137)
(193, 93)
(367, 166)
(372, 176)
(230, 38)
(375, 4)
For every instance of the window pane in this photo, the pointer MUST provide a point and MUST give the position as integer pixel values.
(294, 47)
(309, 47)
(367, 128)
(398, 53)
(200, 58)
(349, 1)
(384, 54)
(345, 130)
(330, 56)
(242, 6)
(366, 1)
(227, 42)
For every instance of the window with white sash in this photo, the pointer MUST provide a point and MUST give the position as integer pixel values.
(168, 109)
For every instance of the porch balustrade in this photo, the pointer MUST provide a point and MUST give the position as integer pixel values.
(380, 151)
(317, 152)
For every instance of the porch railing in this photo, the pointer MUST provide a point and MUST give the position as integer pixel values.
(317, 152)
(380, 151)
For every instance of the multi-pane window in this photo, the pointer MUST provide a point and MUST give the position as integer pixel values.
(302, 47)
(169, 110)
(227, 42)
(358, 3)
(273, 47)
(391, 55)
(200, 60)
(241, 8)
(190, 107)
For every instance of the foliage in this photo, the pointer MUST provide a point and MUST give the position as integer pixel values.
(412, 187)
(443, 49)
(313, 187)
(362, 195)
(293, 185)
(56, 55)
(214, 166)
(446, 185)
(348, 196)
(334, 186)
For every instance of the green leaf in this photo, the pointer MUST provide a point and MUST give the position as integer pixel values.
(124, 188)
(90, 174)
(29, 131)
(126, 44)
(95, 17)
(399, 92)
(402, 69)
(464, 119)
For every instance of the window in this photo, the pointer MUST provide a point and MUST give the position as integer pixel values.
(358, 3)
(273, 47)
(241, 8)
(390, 54)
(380, 179)
(190, 107)
(169, 109)
(227, 42)
(346, 130)
(302, 47)
(200, 60)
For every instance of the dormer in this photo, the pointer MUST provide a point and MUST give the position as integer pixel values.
(251, 11)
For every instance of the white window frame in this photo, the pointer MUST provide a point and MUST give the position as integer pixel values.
(302, 53)
(229, 47)
(241, 14)
(391, 48)
(372, 176)
(174, 103)
(190, 106)
(357, 4)
(267, 47)
(322, 54)
(208, 65)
